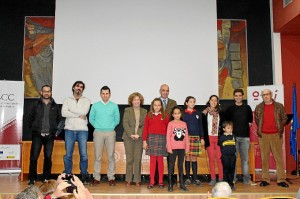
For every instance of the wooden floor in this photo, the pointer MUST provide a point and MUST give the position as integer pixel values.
(10, 185)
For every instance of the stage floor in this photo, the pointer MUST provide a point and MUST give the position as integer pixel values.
(10, 186)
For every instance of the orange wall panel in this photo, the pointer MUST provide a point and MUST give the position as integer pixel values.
(282, 16)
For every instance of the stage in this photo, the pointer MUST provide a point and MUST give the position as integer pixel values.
(11, 185)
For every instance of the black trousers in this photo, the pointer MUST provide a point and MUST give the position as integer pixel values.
(180, 153)
(228, 162)
(36, 146)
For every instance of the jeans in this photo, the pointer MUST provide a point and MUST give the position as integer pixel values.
(70, 138)
(242, 147)
(36, 146)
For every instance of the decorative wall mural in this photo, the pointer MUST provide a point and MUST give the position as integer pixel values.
(38, 54)
(232, 57)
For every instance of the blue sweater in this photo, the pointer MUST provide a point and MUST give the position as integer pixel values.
(194, 123)
(104, 117)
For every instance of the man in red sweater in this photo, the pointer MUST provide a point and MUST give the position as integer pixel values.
(271, 118)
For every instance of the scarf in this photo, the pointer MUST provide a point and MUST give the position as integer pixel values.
(215, 119)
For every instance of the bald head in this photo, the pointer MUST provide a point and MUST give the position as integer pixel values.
(164, 91)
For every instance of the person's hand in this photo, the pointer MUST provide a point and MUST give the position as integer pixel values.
(60, 178)
(79, 193)
(82, 192)
(132, 137)
(136, 136)
(58, 193)
(202, 142)
(82, 117)
(170, 151)
(145, 146)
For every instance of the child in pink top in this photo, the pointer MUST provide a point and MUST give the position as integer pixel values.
(177, 145)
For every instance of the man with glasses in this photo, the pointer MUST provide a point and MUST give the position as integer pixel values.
(271, 118)
(43, 120)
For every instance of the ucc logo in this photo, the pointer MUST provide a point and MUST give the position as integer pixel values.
(7, 97)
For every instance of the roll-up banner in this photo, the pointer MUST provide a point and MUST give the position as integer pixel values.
(11, 121)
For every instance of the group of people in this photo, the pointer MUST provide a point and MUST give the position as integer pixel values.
(165, 130)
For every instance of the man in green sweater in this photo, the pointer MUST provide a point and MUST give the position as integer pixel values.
(104, 117)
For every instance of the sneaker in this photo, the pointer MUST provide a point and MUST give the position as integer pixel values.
(187, 182)
(247, 182)
(197, 182)
(212, 182)
(85, 178)
(31, 182)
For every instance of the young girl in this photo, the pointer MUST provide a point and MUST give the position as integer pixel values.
(177, 145)
(212, 120)
(154, 140)
(193, 119)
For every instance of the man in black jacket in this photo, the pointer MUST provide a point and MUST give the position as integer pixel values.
(43, 120)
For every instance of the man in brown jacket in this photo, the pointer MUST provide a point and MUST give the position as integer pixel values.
(271, 118)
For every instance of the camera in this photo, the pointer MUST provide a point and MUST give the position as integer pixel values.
(69, 177)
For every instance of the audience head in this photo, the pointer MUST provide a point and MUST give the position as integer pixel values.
(221, 189)
(31, 192)
(134, 98)
(48, 187)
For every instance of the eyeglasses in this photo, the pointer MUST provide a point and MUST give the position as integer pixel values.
(266, 94)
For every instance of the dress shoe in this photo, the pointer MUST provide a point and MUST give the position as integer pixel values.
(138, 184)
(264, 183)
(150, 186)
(161, 186)
(112, 183)
(95, 182)
(283, 184)
(128, 184)
(31, 182)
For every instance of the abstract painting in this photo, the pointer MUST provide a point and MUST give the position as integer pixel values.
(232, 57)
(38, 54)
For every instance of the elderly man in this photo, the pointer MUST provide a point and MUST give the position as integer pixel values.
(168, 103)
(270, 118)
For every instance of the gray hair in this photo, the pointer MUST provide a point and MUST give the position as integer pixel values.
(221, 189)
(31, 192)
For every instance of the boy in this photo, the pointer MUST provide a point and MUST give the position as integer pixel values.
(228, 150)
